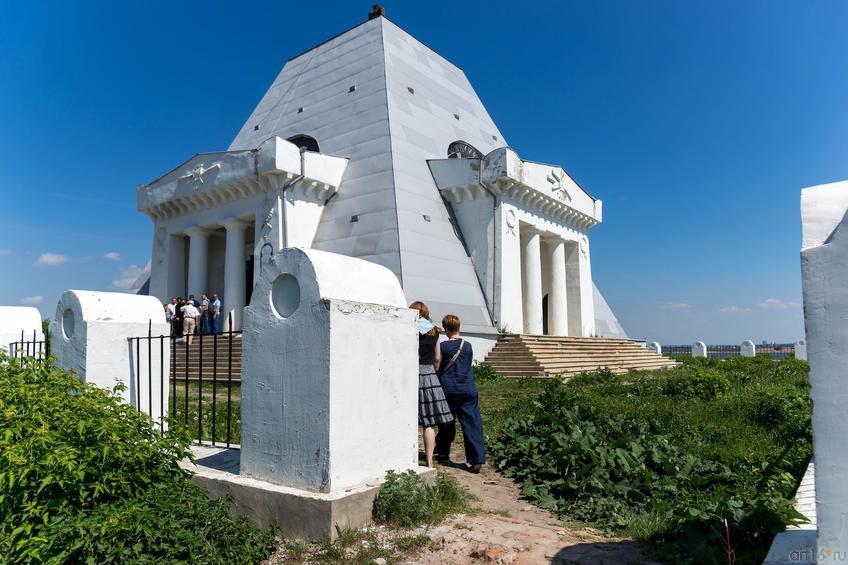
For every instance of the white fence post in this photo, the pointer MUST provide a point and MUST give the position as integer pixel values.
(699, 349)
(90, 336)
(801, 349)
(824, 270)
(748, 349)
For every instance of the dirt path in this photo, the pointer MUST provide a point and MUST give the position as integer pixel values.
(508, 529)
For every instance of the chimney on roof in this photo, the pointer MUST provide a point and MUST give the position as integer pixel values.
(376, 12)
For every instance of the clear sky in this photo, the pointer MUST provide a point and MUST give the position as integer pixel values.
(697, 123)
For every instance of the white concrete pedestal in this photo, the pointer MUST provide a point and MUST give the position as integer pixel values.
(300, 514)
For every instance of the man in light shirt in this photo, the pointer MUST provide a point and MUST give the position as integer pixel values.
(190, 316)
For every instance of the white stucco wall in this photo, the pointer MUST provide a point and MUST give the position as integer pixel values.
(824, 269)
(89, 336)
(329, 378)
(17, 319)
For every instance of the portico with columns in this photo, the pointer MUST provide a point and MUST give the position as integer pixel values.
(214, 211)
(532, 258)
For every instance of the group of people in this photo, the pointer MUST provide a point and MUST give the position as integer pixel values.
(446, 391)
(189, 317)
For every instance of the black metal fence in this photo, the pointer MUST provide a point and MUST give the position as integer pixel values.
(774, 350)
(37, 348)
(201, 378)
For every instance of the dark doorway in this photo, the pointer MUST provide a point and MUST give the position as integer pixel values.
(248, 275)
(545, 314)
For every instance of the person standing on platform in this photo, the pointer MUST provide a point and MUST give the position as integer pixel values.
(190, 316)
(457, 380)
(205, 314)
(216, 315)
(172, 310)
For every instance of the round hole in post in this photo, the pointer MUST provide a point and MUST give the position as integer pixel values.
(285, 295)
(68, 323)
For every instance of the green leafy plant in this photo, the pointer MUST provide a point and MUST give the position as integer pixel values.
(85, 477)
(703, 383)
(669, 456)
(483, 372)
(405, 500)
(601, 376)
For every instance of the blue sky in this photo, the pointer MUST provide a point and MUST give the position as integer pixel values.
(697, 123)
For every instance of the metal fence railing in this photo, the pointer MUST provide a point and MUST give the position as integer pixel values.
(201, 380)
(774, 350)
(37, 348)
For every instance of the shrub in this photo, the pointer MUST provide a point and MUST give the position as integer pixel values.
(668, 455)
(703, 383)
(790, 414)
(84, 476)
(405, 500)
(483, 372)
(599, 377)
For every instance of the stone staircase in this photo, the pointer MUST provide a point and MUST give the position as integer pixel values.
(207, 347)
(543, 355)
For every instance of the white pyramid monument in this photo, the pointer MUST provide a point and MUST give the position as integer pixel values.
(372, 145)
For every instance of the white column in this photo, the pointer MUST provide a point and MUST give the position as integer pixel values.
(176, 268)
(198, 261)
(557, 303)
(531, 272)
(234, 283)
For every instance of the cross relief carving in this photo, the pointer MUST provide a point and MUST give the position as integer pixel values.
(198, 172)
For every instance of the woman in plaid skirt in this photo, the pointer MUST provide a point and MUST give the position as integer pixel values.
(433, 409)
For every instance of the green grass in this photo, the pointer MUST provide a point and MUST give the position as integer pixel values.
(200, 401)
(503, 397)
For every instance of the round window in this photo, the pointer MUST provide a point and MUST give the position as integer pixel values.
(68, 323)
(285, 295)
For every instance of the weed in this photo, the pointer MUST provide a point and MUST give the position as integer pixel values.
(405, 500)
(483, 372)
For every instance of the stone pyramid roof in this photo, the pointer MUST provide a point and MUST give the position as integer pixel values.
(383, 99)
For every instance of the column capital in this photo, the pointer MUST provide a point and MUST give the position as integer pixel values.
(528, 230)
(196, 231)
(234, 223)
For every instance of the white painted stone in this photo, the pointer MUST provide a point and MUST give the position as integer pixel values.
(748, 349)
(18, 321)
(655, 347)
(699, 349)
(89, 336)
(801, 349)
(329, 374)
(824, 269)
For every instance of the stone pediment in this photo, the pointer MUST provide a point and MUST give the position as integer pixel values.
(211, 179)
(536, 187)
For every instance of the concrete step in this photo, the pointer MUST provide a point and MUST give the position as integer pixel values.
(523, 355)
